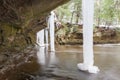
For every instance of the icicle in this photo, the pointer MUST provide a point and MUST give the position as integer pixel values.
(40, 38)
(88, 57)
(41, 55)
(46, 37)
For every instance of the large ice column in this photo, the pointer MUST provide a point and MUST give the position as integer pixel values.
(40, 38)
(88, 56)
(52, 32)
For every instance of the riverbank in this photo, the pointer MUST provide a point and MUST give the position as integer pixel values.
(96, 41)
(73, 35)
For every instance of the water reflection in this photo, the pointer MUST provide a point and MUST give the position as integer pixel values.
(64, 61)
(41, 55)
(53, 59)
(46, 58)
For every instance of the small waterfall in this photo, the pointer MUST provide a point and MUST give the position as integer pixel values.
(51, 21)
(88, 57)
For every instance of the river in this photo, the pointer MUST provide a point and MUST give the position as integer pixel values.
(62, 64)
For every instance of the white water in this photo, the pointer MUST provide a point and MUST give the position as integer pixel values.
(52, 33)
(88, 56)
(40, 38)
(46, 58)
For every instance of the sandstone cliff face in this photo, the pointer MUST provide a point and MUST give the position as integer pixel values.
(21, 19)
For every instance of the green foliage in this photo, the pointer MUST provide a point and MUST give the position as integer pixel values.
(65, 12)
(107, 12)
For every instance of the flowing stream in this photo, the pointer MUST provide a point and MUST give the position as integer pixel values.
(61, 64)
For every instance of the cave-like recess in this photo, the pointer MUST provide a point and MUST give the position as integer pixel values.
(21, 19)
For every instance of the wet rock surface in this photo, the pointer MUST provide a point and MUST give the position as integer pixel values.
(20, 20)
(10, 61)
(16, 12)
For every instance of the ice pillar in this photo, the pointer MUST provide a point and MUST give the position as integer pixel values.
(40, 38)
(88, 56)
(52, 32)
(46, 36)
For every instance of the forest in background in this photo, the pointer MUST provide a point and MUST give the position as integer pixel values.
(107, 12)
(106, 22)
